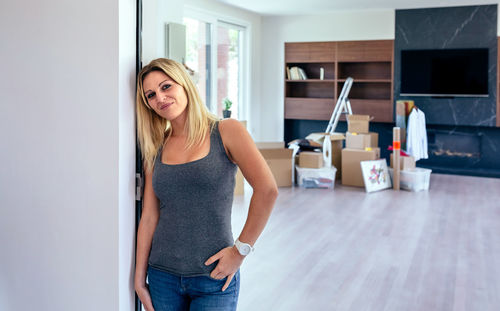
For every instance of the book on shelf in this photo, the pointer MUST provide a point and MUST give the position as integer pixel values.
(288, 73)
(302, 73)
(294, 73)
(297, 73)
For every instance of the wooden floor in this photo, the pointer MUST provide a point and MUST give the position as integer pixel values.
(390, 250)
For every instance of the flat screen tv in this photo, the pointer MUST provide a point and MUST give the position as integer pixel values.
(446, 72)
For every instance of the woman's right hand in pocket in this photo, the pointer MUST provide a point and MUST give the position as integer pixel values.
(143, 293)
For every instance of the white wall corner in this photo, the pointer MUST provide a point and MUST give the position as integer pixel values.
(126, 154)
(155, 15)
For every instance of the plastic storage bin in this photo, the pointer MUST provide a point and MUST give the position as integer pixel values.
(316, 177)
(416, 179)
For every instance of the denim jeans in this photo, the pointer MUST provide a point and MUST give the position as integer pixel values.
(195, 293)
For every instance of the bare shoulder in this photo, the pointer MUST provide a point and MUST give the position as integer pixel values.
(232, 132)
(242, 150)
(229, 125)
(235, 138)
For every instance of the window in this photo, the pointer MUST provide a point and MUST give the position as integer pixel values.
(216, 52)
(229, 66)
(198, 40)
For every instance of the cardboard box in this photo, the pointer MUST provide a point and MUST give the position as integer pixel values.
(351, 165)
(239, 183)
(271, 145)
(310, 159)
(406, 163)
(279, 160)
(361, 141)
(358, 123)
(337, 157)
(401, 121)
(337, 142)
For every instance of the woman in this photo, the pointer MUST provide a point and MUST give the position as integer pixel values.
(184, 241)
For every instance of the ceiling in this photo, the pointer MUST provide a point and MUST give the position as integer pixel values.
(305, 7)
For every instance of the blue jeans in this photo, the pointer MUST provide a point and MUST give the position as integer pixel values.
(195, 293)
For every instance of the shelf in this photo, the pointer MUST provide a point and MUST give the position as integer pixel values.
(312, 70)
(311, 52)
(365, 51)
(309, 62)
(365, 71)
(311, 90)
(309, 108)
(374, 90)
(307, 98)
(313, 80)
(367, 80)
(380, 110)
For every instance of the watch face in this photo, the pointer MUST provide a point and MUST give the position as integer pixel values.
(245, 250)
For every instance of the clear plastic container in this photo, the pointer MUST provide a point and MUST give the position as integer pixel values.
(323, 178)
(416, 179)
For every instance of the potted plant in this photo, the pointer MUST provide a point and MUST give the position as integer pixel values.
(226, 113)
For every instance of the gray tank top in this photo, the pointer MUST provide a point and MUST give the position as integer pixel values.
(195, 211)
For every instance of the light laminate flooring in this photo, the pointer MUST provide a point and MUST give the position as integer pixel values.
(344, 249)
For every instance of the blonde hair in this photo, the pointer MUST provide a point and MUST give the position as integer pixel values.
(152, 129)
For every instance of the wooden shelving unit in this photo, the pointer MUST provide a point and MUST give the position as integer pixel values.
(369, 63)
(311, 99)
(311, 80)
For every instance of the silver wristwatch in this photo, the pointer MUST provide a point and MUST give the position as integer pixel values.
(243, 248)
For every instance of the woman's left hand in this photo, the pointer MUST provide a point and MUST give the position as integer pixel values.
(229, 261)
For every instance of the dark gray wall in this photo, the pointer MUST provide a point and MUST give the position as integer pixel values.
(461, 132)
(448, 28)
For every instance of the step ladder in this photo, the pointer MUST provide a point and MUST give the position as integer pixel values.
(343, 106)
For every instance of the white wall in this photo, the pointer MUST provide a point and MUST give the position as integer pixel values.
(126, 153)
(155, 15)
(67, 154)
(340, 26)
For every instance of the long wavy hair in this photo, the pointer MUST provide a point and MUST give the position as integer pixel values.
(153, 129)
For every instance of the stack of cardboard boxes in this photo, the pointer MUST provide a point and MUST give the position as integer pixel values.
(314, 172)
(411, 178)
(311, 159)
(279, 160)
(360, 145)
(311, 169)
(406, 163)
(337, 140)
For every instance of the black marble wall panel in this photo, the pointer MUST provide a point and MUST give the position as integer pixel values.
(465, 150)
(462, 137)
(450, 28)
